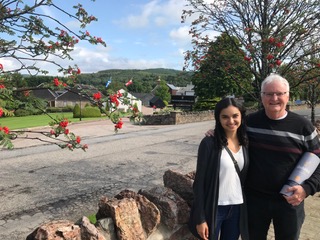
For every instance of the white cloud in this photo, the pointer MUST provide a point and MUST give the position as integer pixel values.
(181, 35)
(155, 13)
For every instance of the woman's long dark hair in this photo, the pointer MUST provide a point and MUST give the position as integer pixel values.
(219, 131)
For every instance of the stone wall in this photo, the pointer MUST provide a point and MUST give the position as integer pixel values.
(176, 117)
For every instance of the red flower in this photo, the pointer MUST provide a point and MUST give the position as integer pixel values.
(1, 67)
(56, 82)
(114, 99)
(78, 71)
(6, 130)
(63, 124)
(270, 56)
(271, 40)
(2, 86)
(119, 125)
(85, 146)
(78, 139)
(66, 131)
(52, 132)
(279, 44)
(26, 93)
(1, 112)
(97, 96)
(278, 62)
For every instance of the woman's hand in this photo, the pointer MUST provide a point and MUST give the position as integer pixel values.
(203, 230)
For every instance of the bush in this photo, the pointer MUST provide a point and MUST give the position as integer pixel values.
(87, 112)
(22, 113)
(205, 104)
(58, 109)
(76, 111)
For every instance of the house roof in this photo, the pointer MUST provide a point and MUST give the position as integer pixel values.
(172, 87)
(143, 96)
(44, 93)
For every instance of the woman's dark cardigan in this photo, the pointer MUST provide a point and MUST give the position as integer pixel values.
(206, 188)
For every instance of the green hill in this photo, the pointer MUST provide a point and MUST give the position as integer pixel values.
(143, 80)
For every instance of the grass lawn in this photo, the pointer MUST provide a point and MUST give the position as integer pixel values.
(38, 120)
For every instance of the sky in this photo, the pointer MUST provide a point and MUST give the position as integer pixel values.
(139, 34)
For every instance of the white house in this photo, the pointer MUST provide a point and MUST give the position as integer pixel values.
(133, 100)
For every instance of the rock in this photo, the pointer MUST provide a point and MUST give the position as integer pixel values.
(56, 230)
(125, 214)
(173, 209)
(89, 231)
(149, 213)
(106, 227)
(180, 183)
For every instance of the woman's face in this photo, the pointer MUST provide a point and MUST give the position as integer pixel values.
(230, 119)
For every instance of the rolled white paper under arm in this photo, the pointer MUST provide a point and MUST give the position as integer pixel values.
(304, 169)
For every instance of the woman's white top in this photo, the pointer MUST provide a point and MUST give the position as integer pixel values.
(230, 191)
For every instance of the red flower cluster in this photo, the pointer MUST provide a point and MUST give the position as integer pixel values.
(114, 99)
(5, 130)
(1, 112)
(97, 96)
(78, 139)
(64, 123)
(270, 56)
(278, 62)
(57, 83)
(2, 86)
(118, 125)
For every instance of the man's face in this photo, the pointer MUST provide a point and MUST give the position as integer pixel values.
(275, 97)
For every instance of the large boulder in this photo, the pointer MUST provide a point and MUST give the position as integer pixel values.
(173, 209)
(180, 183)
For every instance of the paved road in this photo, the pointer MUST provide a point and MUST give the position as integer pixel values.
(43, 183)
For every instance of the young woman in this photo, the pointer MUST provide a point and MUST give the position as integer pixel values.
(219, 204)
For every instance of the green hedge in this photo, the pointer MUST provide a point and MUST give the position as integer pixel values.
(87, 112)
(59, 109)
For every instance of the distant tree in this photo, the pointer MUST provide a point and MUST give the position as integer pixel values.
(162, 91)
(222, 70)
(271, 32)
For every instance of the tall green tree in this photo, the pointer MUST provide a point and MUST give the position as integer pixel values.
(271, 33)
(222, 70)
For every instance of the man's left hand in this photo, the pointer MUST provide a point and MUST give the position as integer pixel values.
(298, 195)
